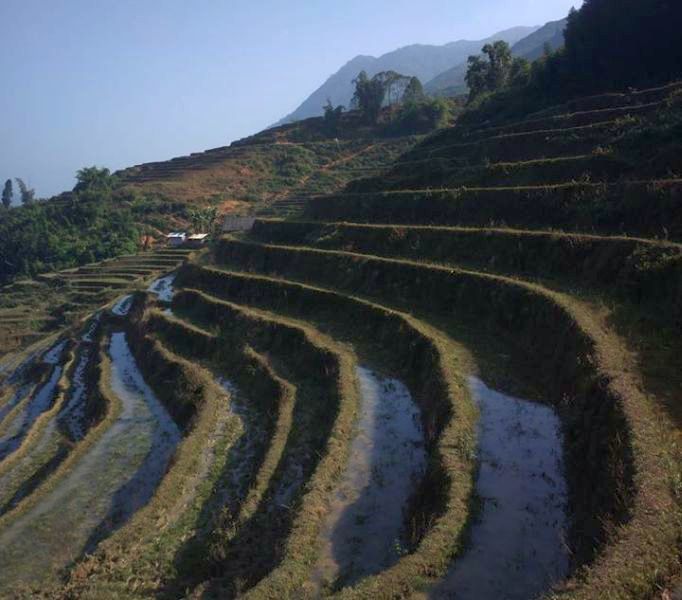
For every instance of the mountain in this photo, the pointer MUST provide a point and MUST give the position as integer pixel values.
(423, 61)
(532, 46)
(451, 82)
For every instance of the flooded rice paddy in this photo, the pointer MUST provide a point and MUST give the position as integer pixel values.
(363, 530)
(32, 406)
(102, 490)
(163, 288)
(122, 306)
(517, 549)
(72, 416)
(50, 446)
(32, 409)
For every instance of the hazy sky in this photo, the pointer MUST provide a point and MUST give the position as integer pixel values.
(119, 82)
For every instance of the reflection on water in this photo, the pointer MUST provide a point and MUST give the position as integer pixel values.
(517, 548)
(361, 535)
(163, 288)
(122, 306)
(102, 490)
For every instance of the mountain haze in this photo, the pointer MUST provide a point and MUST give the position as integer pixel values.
(423, 61)
(532, 46)
(451, 81)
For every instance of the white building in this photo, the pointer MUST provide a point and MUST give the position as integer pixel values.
(176, 238)
(197, 239)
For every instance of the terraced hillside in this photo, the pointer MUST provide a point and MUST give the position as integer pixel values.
(394, 393)
(31, 310)
(287, 162)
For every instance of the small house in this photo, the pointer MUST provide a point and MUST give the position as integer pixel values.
(176, 238)
(196, 240)
(232, 223)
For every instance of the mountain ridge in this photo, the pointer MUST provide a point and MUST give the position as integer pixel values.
(425, 61)
(531, 47)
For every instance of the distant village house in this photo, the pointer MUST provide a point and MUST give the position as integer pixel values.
(176, 238)
(197, 240)
(232, 223)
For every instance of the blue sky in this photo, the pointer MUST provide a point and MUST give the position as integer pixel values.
(119, 82)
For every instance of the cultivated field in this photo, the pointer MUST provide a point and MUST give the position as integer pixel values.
(458, 378)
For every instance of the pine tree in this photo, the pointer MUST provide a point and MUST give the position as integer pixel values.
(7, 194)
(27, 194)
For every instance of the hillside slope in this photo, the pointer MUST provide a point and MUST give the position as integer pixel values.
(418, 60)
(291, 161)
(458, 377)
(531, 47)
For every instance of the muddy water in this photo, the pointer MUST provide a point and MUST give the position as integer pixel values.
(40, 402)
(122, 306)
(361, 535)
(49, 449)
(116, 477)
(54, 354)
(517, 548)
(89, 334)
(163, 288)
(72, 415)
(13, 367)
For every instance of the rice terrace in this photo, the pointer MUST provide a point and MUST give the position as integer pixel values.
(426, 346)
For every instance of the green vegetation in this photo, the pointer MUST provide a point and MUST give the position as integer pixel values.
(46, 236)
(415, 112)
(26, 194)
(94, 179)
(332, 118)
(7, 194)
(610, 45)
(540, 252)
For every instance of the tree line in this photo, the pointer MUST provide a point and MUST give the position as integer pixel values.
(87, 179)
(98, 222)
(395, 101)
(26, 194)
(610, 45)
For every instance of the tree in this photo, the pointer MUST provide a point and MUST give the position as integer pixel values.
(615, 44)
(414, 92)
(332, 117)
(26, 194)
(519, 74)
(369, 96)
(203, 219)
(94, 179)
(499, 64)
(492, 74)
(422, 117)
(390, 80)
(477, 77)
(7, 194)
